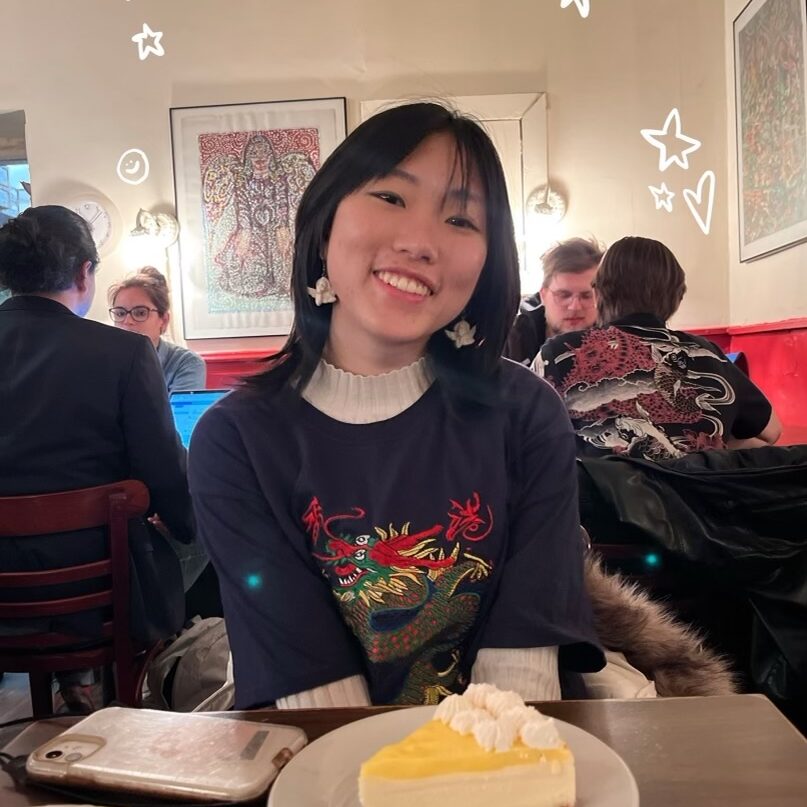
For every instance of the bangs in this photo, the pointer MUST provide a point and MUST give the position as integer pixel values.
(472, 147)
(466, 170)
(372, 151)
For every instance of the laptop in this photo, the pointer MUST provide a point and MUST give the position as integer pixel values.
(188, 406)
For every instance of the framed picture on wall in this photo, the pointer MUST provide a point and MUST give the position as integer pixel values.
(770, 74)
(239, 173)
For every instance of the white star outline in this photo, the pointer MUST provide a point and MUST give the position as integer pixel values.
(145, 50)
(662, 196)
(583, 6)
(665, 160)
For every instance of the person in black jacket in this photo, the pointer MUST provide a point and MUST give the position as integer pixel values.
(634, 386)
(566, 301)
(85, 404)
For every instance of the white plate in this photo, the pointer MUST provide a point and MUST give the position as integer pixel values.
(326, 773)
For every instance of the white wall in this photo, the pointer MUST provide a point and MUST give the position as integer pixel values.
(775, 287)
(72, 67)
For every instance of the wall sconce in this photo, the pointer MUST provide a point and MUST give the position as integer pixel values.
(545, 210)
(161, 226)
(153, 234)
(546, 205)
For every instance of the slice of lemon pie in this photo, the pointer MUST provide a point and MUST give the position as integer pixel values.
(482, 748)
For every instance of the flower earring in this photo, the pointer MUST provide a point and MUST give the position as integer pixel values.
(462, 334)
(323, 291)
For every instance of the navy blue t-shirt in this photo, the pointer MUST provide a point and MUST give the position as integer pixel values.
(396, 549)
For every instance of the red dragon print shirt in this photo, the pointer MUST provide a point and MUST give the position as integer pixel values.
(393, 550)
(640, 389)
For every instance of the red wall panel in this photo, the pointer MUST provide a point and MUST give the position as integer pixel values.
(225, 368)
(777, 362)
(776, 354)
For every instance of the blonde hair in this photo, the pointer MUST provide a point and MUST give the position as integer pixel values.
(575, 256)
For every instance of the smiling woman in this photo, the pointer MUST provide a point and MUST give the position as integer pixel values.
(421, 529)
(404, 256)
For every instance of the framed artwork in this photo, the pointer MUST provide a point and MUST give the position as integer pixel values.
(770, 75)
(239, 173)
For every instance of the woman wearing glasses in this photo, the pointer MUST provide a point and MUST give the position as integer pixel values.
(141, 303)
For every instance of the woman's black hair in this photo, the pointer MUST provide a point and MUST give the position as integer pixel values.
(374, 149)
(42, 250)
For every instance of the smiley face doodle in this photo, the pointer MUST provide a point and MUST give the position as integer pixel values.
(133, 167)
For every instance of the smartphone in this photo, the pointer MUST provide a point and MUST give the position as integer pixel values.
(167, 754)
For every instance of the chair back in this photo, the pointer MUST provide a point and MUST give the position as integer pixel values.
(70, 510)
(39, 654)
(109, 506)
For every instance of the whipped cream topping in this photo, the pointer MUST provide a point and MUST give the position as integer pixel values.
(478, 694)
(466, 722)
(497, 719)
(500, 702)
(494, 736)
(540, 733)
(451, 707)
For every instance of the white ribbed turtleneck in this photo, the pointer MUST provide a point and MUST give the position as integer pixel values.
(352, 398)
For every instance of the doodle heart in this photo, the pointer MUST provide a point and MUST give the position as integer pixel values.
(701, 201)
(583, 6)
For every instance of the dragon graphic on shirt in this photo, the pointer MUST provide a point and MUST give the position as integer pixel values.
(643, 393)
(406, 594)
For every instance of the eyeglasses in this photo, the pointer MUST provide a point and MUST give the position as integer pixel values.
(564, 297)
(140, 313)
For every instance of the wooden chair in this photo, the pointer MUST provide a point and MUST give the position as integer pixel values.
(41, 654)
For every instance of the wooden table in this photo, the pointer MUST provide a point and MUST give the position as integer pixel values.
(736, 751)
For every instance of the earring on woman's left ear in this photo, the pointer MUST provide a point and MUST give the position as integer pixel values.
(462, 334)
(323, 291)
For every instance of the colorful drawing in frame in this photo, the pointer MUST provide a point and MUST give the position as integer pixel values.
(252, 183)
(239, 173)
(770, 49)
